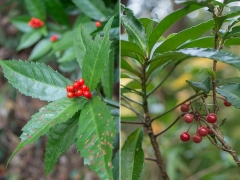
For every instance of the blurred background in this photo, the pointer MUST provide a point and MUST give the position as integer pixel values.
(184, 161)
(16, 109)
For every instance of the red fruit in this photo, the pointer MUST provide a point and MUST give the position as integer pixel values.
(87, 94)
(54, 38)
(70, 94)
(184, 107)
(197, 138)
(185, 136)
(67, 88)
(226, 103)
(76, 85)
(211, 118)
(81, 81)
(210, 131)
(84, 87)
(35, 23)
(71, 88)
(98, 24)
(79, 92)
(203, 131)
(188, 118)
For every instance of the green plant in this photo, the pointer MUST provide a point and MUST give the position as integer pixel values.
(144, 59)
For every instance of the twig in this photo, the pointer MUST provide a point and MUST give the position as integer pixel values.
(130, 122)
(151, 159)
(133, 90)
(130, 108)
(111, 104)
(123, 96)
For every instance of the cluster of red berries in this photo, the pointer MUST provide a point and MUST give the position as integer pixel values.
(78, 88)
(35, 23)
(98, 24)
(54, 38)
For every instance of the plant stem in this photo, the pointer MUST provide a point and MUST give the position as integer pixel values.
(132, 122)
(159, 158)
(138, 103)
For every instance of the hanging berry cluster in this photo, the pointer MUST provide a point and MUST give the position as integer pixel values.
(78, 88)
(202, 131)
(35, 23)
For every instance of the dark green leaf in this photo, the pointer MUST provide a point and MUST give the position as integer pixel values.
(95, 137)
(35, 79)
(232, 41)
(96, 56)
(202, 42)
(115, 169)
(219, 20)
(229, 80)
(41, 48)
(127, 46)
(29, 39)
(36, 8)
(231, 92)
(232, 23)
(132, 156)
(148, 25)
(205, 85)
(129, 66)
(60, 138)
(223, 122)
(234, 33)
(21, 23)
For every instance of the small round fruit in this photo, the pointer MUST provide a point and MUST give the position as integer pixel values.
(79, 92)
(226, 103)
(203, 131)
(81, 81)
(98, 24)
(84, 87)
(188, 118)
(197, 138)
(211, 118)
(71, 88)
(87, 94)
(67, 88)
(184, 108)
(70, 94)
(76, 85)
(185, 136)
(210, 131)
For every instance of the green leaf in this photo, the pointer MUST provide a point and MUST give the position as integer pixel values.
(107, 77)
(96, 56)
(181, 37)
(205, 85)
(223, 122)
(229, 80)
(234, 33)
(29, 39)
(219, 20)
(21, 23)
(64, 42)
(95, 137)
(115, 169)
(132, 156)
(67, 56)
(202, 42)
(129, 66)
(35, 8)
(127, 46)
(148, 25)
(40, 49)
(47, 117)
(94, 9)
(81, 39)
(209, 71)
(231, 92)
(57, 12)
(232, 41)
(168, 21)
(60, 138)
(134, 28)
(35, 79)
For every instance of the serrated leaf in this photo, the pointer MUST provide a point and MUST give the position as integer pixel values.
(134, 28)
(95, 137)
(205, 85)
(29, 39)
(228, 80)
(115, 169)
(41, 48)
(231, 92)
(234, 33)
(96, 56)
(21, 23)
(94, 9)
(35, 8)
(47, 117)
(132, 156)
(60, 138)
(35, 79)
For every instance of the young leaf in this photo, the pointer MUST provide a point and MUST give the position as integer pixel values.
(96, 56)
(60, 138)
(21, 23)
(205, 85)
(132, 156)
(94, 9)
(35, 8)
(95, 137)
(134, 28)
(231, 92)
(29, 39)
(48, 116)
(35, 79)
(40, 49)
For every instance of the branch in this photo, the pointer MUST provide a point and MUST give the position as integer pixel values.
(130, 122)
(133, 90)
(151, 159)
(123, 96)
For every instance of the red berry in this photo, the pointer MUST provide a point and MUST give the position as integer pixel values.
(197, 138)
(54, 38)
(71, 88)
(76, 85)
(211, 118)
(87, 94)
(185, 136)
(203, 131)
(210, 131)
(84, 87)
(98, 24)
(184, 107)
(67, 88)
(226, 103)
(81, 81)
(188, 118)
(70, 94)
(79, 92)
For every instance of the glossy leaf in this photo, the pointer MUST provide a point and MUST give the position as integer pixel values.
(202, 42)
(35, 8)
(132, 156)
(127, 66)
(205, 85)
(60, 138)
(47, 117)
(35, 79)
(95, 137)
(219, 20)
(235, 32)
(40, 49)
(148, 25)
(21, 23)
(67, 56)
(94, 9)
(127, 46)
(134, 28)
(231, 92)
(96, 57)
(29, 39)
